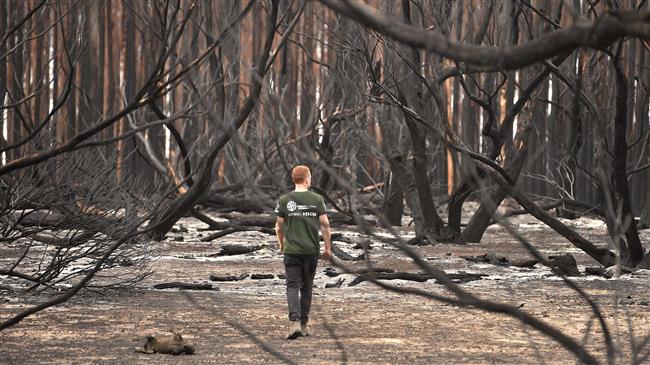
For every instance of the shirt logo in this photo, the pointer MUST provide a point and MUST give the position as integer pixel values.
(291, 206)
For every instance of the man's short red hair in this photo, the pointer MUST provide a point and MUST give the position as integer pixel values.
(300, 174)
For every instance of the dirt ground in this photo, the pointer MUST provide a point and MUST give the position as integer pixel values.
(244, 322)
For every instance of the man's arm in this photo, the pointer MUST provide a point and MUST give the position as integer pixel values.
(279, 231)
(325, 230)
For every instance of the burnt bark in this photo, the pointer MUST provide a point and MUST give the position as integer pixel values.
(410, 95)
(498, 138)
(515, 158)
(405, 179)
(618, 213)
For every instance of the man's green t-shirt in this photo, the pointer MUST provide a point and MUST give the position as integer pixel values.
(300, 210)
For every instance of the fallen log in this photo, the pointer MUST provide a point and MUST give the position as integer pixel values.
(63, 241)
(460, 277)
(262, 223)
(262, 276)
(235, 229)
(266, 220)
(392, 276)
(338, 219)
(230, 250)
(228, 277)
(226, 204)
(331, 272)
(236, 223)
(579, 207)
(336, 284)
(184, 286)
(39, 217)
(207, 220)
(257, 220)
(338, 252)
(494, 259)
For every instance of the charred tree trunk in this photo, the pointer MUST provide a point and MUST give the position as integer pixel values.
(632, 250)
(3, 69)
(498, 139)
(573, 140)
(394, 144)
(126, 148)
(430, 217)
(405, 179)
(410, 94)
(642, 119)
(15, 69)
(644, 222)
(514, 162)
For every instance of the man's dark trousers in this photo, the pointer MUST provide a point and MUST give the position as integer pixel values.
(300, 271)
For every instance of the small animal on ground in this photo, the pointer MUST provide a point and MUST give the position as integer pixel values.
(166, 344)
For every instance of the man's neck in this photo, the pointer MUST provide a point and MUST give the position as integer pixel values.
(300, 187)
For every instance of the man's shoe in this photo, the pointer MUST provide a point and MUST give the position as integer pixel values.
(304, 329)
(294, 330)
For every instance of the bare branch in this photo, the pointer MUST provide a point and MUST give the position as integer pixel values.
(606, 30)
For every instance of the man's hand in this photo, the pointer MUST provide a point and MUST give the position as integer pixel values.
(279, 231)
(325, 229)
(327, 253)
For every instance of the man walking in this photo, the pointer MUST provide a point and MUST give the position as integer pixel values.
(300, 213)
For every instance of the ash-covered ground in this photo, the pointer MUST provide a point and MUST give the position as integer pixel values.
(244, 322)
